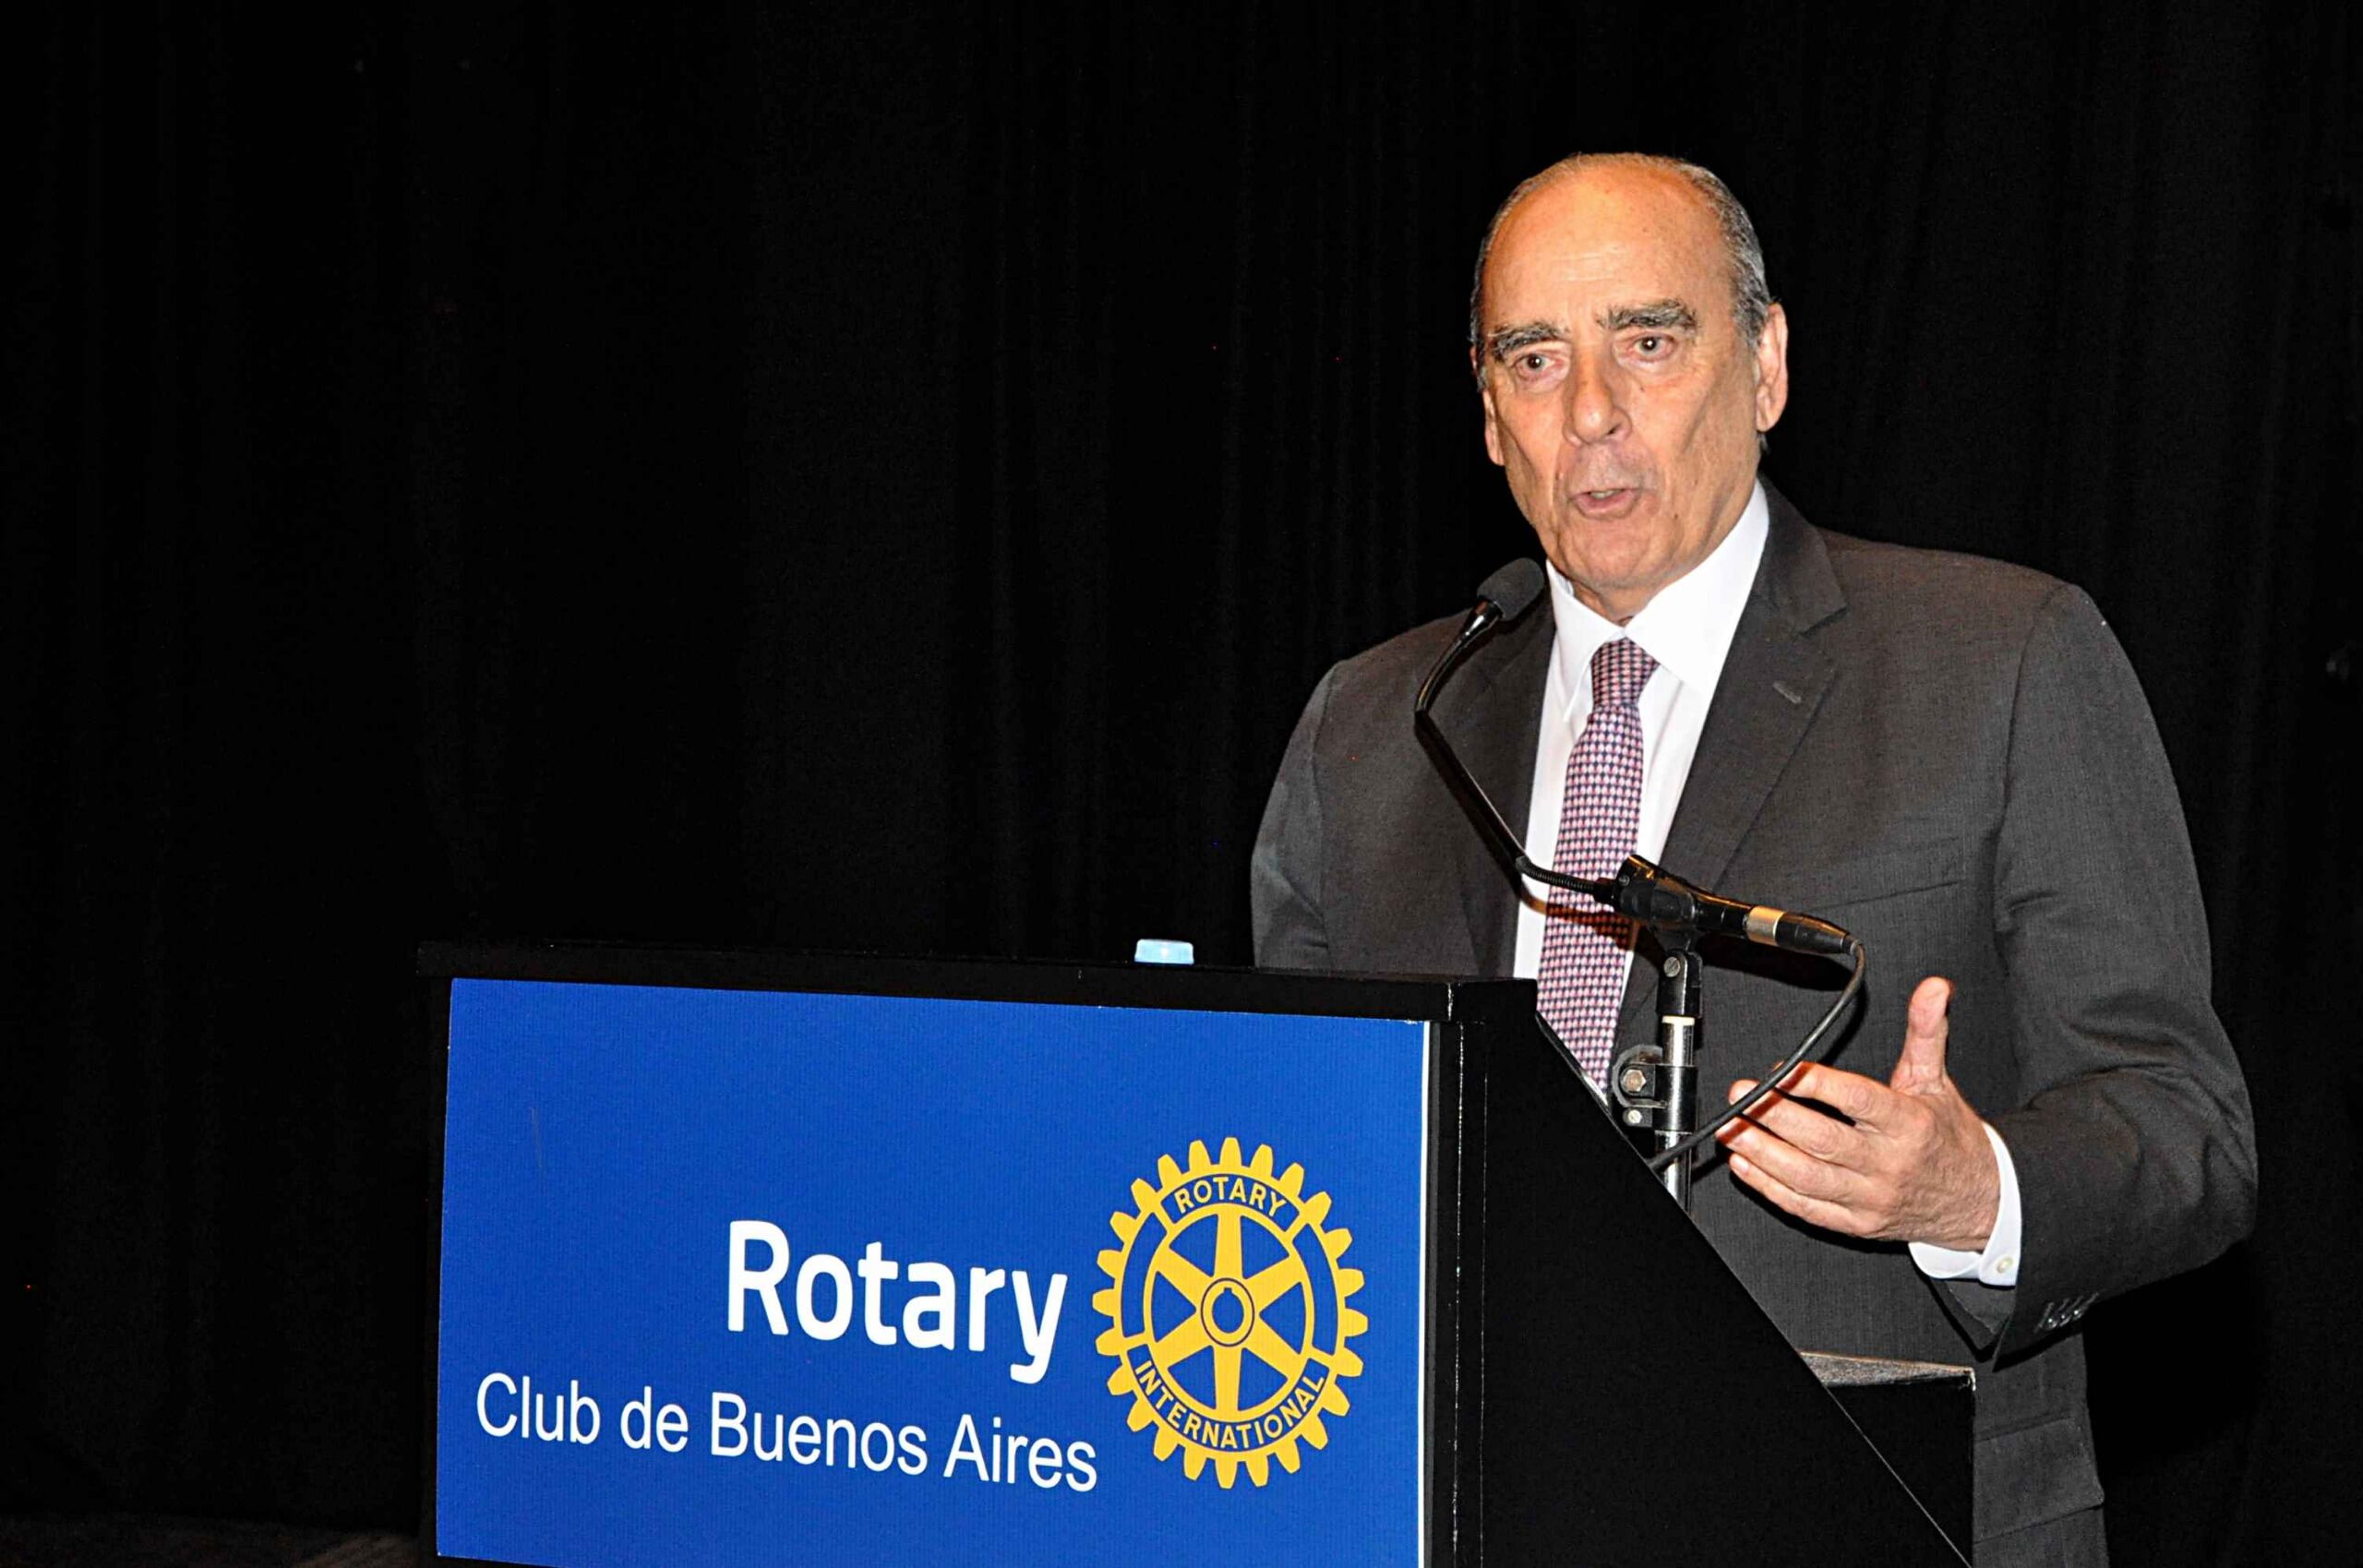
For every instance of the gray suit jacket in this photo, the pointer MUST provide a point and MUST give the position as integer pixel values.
(1952, 757)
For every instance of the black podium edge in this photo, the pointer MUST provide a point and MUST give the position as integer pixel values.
(1433, 999)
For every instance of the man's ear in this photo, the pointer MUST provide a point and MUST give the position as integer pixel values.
(1772, 369)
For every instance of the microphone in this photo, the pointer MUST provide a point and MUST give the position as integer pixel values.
(1511, 590)
(1659, 898)
(1639, 891)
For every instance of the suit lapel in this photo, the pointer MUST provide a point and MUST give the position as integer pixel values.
(1494, 727)
(1773, 682)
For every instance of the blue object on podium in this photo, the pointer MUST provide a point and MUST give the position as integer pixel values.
(751, 1258)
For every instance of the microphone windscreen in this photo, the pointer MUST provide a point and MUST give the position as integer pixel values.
(1514, 589)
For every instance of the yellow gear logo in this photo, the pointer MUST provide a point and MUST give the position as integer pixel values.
(1227, 1312)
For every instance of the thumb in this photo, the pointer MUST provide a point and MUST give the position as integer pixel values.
(1921, 1068)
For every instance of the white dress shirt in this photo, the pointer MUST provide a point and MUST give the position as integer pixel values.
(1687, 628)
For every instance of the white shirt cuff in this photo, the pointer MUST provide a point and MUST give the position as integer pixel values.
(1999, 1264)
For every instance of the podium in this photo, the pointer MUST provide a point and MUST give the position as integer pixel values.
(751, 1257)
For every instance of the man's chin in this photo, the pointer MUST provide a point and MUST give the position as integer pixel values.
(1608, 557)
(1618, 595)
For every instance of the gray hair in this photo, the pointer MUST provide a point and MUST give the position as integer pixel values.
(1751, 300)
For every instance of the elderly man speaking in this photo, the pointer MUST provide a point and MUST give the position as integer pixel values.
(2037, 1108)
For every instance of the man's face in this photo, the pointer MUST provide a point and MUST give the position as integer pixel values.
(1619, 397)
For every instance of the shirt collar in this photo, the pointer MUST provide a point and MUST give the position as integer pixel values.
(1687, 628)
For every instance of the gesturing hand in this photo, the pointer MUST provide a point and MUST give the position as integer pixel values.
(1906, 1160)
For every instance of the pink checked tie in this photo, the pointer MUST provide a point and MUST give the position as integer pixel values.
(1585, 947)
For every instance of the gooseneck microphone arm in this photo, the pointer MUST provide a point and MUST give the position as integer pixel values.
(1504, 597)
(1657, 1089)
(1639, 891)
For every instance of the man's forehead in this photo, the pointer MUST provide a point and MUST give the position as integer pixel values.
(1632, 201)
(1609, 239)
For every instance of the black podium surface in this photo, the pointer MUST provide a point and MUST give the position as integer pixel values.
(1593, 1384)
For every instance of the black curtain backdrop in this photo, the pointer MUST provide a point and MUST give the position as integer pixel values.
(888, 480)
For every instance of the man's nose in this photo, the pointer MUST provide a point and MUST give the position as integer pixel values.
(1595, 402)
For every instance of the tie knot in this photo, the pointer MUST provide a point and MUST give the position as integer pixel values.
(1619, 670)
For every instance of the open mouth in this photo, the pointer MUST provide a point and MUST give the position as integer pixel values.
(1606, 505)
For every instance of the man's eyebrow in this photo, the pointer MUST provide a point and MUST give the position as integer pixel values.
(1504, 341)
(1658, 313)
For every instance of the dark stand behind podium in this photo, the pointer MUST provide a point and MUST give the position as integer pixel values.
(1632, 1403)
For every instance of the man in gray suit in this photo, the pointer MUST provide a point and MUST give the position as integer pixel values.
(2035, 1106)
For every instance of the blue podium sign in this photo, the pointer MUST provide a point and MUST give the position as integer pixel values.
(734, 1276)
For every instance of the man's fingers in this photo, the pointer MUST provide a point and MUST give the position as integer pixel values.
(1849, 1093)
(1797, 1168)
(1926, 1028)
(1824, 1137)
(1781, 1195)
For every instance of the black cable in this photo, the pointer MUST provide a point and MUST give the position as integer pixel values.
(1746, 1102)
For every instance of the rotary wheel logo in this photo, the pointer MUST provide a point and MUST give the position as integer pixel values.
(1227, 1312)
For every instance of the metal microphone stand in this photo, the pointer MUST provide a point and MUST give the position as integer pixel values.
(1656, 1087)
